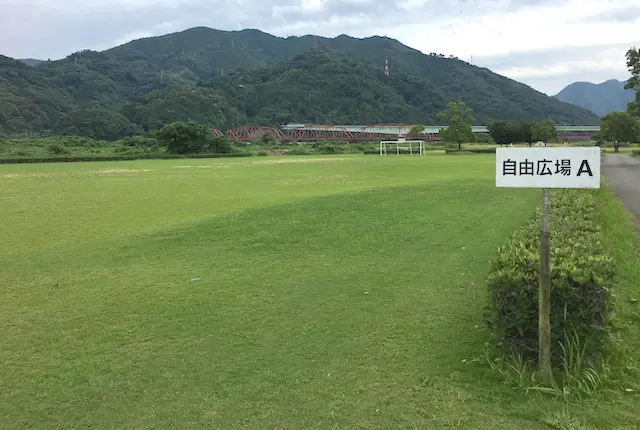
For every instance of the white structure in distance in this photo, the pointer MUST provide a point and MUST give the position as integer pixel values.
(408, 146)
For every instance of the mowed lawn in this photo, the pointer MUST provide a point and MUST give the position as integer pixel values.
(264, 293)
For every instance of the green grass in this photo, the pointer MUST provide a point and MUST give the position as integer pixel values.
(626, 150)
(334, 292)
(60, 146)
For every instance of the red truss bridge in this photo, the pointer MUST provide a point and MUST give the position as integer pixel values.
(365, 133)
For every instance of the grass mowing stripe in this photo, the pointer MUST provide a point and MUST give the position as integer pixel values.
(88, 205)
(280, 316)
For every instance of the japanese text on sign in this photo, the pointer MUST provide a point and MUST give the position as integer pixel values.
(561, 167)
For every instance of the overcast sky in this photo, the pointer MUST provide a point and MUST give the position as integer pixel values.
(543, 43)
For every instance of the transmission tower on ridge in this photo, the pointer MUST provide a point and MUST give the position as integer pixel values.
(386, 67)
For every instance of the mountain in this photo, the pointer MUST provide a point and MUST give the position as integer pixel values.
(322, 85)
(598, 98)
(28, 101)
(196, 74)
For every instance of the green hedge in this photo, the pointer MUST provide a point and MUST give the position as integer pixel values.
(156, 156)
(581, 278)
(635, 152)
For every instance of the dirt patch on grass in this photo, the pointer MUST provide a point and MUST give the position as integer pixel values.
(118, 171)
(299, 160)
(210, 166)
(26, 175)
(261, 162)
(337, 179)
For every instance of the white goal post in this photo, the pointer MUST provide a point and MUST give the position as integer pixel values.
(408, 145)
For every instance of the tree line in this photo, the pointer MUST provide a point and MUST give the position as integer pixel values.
(458, 118)
(622, 127)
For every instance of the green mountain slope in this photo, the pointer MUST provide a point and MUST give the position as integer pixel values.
(598, 98)
(28, 100)
(321, 85)
(156, 80)
(200, 104)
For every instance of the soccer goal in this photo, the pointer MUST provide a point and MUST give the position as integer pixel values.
(402, 147)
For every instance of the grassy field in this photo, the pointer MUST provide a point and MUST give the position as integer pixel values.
(290, 293)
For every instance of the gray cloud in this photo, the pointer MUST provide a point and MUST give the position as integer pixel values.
(552, 83)
(374, 13)
(55, 29)
(621, 15)
(544, 57)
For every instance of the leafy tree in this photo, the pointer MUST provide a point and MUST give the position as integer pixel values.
(189, 137)
(544, 131)
(522, 130)
(633, 64)
(617, 127)
(502, 132)
(416, 132)
(268, 139)
(505, 132)
(458, 119)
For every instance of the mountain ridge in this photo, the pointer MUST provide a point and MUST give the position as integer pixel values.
(168, 75)
(602, 98)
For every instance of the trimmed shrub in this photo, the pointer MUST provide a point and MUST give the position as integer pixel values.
(635, 152)
(582, 276)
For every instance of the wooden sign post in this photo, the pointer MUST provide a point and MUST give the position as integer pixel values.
(548, 167)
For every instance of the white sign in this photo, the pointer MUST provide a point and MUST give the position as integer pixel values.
(550, 167)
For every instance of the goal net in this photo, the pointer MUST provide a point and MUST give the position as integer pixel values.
(398, 147)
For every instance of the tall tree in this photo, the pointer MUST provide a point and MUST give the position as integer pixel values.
(501, 132)
(416, 132)
(544, 131)
(523, 131)
(189, 137)
(633, 64)
(458, 118)
(618, 127)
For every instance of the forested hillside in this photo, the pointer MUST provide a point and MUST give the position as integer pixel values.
(225, 79)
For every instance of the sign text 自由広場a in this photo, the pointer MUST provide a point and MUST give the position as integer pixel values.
(550, 167)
